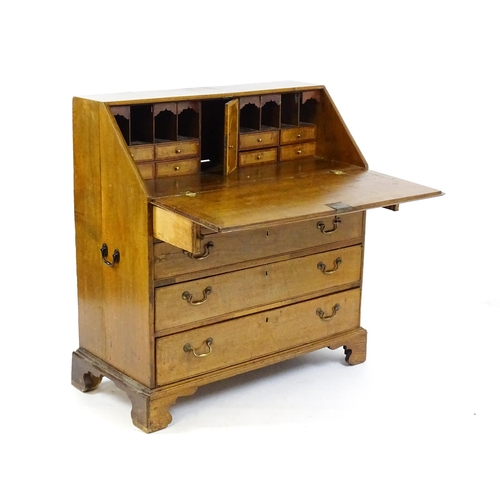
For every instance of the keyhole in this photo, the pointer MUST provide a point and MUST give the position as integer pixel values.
(267, 320)
(267, 274)
(267, 233)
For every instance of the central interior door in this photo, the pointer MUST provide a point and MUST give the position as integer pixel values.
(231, 127)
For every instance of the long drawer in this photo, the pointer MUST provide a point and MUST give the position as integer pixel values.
(184, 304)
(226, 249)
(251, 337)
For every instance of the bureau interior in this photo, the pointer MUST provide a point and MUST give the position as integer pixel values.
(205, 120)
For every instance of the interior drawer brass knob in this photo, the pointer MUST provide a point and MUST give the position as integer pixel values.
(259, 157)
(177, 150)
(187, 296)
(322, 313)
(298, 136)
(189, 348)
(259, 140)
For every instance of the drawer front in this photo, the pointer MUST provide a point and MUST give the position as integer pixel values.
(259, 140)
(147, 170)
(184, 304)
(142, 153)
(258, 156)
(181, 167)
(228, 249)
(297, 151)
(297, 134)
(179, 149)
(254, 336)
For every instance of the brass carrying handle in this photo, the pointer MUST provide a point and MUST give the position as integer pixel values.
(322, 267)
(189, 348)
(104, 255)
(322, 316)
(187, 296)
(201, 256)
(335, 221)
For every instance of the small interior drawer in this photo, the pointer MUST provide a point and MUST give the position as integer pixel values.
(297, 151)
(181, 167)
(184, 304)
(142, 153)
(259, 140)
(298, 134)
(258, 156)
(177, 149)
(251, 337)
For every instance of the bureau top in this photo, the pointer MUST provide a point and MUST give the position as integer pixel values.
(201, 92)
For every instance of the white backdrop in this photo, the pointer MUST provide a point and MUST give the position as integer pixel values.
(417, 84)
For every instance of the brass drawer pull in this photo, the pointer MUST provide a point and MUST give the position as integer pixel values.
(177, 151)
(258, 157)
(321, 226)
(259, 140)
(321, 313)
(104, 255)
(187, 296)
(202, 256)
(322, 267)
(299, 151)
(189, 348)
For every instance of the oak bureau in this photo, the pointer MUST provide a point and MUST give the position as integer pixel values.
(218, 230)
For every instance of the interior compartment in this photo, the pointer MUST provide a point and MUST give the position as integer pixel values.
(309, 107)
(141, 124)
(270, 111)
(290, 110)
(122, 117)
(165, 121)
(188, 120)
(249, 114)
(212, 133)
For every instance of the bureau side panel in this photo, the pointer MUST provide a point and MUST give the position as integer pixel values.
(127, 285)
(88, 224)
(334, 141)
